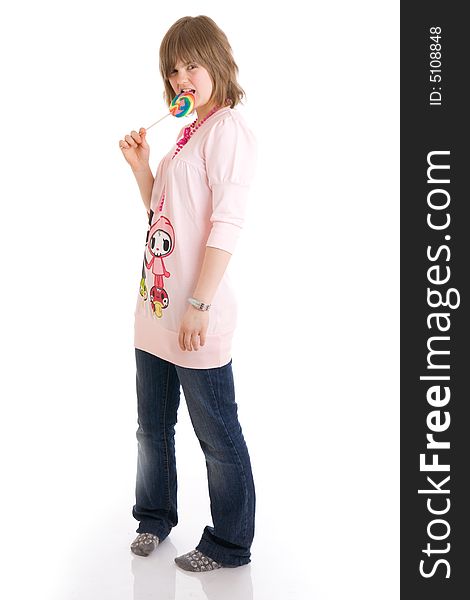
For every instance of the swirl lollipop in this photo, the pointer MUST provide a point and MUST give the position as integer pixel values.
(181, 105)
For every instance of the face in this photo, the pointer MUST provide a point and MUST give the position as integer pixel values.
(160, 243)
(195, 76)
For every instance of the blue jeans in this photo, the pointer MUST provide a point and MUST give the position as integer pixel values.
(210, 397)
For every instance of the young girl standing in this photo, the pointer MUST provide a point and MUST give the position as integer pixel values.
(186, 307)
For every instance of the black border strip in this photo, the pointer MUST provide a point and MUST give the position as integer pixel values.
(434, 262)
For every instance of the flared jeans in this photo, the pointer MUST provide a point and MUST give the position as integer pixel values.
(210, 397)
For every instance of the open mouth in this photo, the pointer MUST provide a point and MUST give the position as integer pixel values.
(188, 90)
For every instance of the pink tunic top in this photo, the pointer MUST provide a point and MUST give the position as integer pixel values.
(198, 199)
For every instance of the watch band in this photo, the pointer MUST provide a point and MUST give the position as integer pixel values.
(199, 305)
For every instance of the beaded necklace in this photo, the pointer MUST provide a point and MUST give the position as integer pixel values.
(189, 131)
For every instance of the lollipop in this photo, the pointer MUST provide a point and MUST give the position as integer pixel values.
(181, 105)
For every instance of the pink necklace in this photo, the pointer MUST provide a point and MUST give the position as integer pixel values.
(189, 131)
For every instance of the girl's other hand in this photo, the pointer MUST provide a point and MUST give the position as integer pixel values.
(193, 329)
(135, 149)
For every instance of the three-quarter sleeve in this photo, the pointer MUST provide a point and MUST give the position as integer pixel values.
(231, 157)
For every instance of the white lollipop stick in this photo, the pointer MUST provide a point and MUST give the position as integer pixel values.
(167, 115)
(179, 97)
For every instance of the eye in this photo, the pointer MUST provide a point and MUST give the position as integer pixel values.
(191, 66)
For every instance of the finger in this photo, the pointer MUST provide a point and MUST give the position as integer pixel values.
(136, 136)
(143, 135)
(130, 141)
(202, 335)
(123, 145)
(187, 341)
(195, 341)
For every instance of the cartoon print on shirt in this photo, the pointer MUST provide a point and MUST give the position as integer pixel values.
(143, 287)
(158, 300)
(160, 243)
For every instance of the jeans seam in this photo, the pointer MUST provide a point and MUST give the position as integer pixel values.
(244, 481)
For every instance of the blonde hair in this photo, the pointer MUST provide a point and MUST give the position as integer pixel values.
(199, 39)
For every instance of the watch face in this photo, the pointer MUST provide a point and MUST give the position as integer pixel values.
(199, 305)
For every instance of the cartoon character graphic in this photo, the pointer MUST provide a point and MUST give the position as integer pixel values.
(158, 300)
(143, 287)
(160, 243)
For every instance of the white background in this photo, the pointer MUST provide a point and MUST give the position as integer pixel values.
(315, 356)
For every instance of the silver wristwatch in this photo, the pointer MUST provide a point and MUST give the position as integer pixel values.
(199, 305)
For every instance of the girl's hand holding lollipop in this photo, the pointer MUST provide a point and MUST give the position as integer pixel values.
(134, 146)
(136, 150)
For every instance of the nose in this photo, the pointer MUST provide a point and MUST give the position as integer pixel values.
(182, 78)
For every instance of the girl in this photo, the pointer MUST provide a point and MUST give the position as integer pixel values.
(186, 308)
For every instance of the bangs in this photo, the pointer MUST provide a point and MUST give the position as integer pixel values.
(181, 49)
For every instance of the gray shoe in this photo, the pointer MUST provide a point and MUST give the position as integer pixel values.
(196, 561)
(144, 544)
